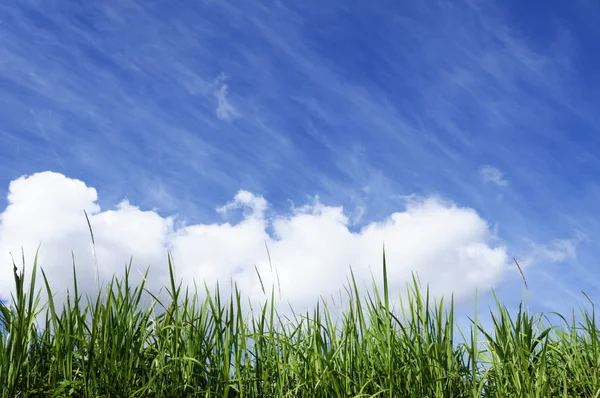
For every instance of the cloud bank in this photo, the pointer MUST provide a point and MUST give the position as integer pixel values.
(311, 248)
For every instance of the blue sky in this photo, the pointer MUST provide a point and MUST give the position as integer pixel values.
(178, 106)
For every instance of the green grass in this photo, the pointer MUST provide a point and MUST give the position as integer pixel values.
(113, 345)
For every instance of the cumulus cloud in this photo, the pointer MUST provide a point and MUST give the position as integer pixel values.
(492, 175)
(311, 247)
(244, 199)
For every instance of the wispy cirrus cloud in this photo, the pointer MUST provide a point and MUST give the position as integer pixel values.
(224, 108)
(555, 251)
(492, 175)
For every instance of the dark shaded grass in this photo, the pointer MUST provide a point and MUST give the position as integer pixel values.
(113, 346)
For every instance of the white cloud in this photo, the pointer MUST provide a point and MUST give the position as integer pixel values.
(493, 175)
(556, 251)
(311, 247)
(242, 199)
(225, 110)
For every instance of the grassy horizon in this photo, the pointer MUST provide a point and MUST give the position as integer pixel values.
(113, 346)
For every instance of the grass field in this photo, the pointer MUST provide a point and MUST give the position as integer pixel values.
(112, 345)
